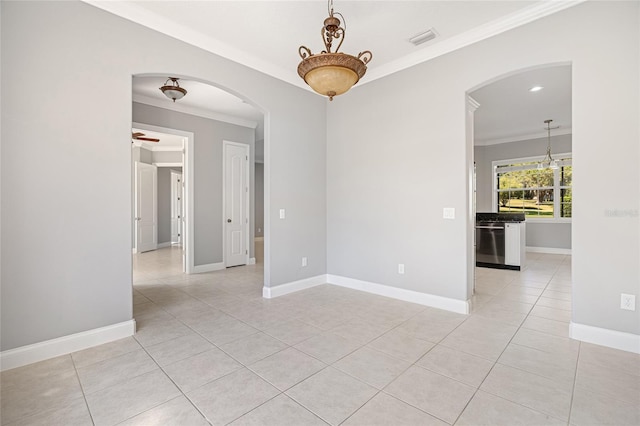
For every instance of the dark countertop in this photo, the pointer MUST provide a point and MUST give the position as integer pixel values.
(499, 217)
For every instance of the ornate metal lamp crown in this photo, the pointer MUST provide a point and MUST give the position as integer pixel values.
(332, 73)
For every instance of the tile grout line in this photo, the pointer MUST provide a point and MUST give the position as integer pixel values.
(182, 393)
(235, 359)
(501, 353)
(575, 379)
(215, 345)
(84, 396)
(360, 347)
(490, 370)
(435, 345)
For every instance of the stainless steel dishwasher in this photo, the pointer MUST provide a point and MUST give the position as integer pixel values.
(492, 248)
(490, 243)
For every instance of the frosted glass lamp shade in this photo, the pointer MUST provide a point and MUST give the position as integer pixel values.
(331, 80)
(331, 74)
(173, 94)
(173, 91)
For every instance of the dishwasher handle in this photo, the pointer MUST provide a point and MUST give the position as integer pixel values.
(489, 227)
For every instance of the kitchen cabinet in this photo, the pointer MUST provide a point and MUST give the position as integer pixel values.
(515, 244)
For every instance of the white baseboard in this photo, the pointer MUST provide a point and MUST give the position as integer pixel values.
(604, 337)
(29, 354)
(548, 250)
(259, 238)
(163, 245)
(252, 261)
(282, 289)
(446, 303)
(209, 267)
(453, 305)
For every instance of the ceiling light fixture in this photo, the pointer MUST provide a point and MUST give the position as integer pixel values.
(331, 73)
(536, 88)
(548, 161)
(173, 90)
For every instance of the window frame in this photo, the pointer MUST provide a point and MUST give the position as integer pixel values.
(557, 188)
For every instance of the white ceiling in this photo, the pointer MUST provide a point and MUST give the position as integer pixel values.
(510, 112)
(201, 99)
(265, 35)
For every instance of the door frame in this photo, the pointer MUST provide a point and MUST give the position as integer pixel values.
(247, 199)
(174, 202)
(187, 177)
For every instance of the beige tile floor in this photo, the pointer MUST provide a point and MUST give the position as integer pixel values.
(209, 349)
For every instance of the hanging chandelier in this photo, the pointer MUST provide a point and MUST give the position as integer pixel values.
(173, 90)
(332, 73)
(548, 161)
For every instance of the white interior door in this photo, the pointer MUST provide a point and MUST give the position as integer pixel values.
(236, 194)
(176, 207)
(146, 211)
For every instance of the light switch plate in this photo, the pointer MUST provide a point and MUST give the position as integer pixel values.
(282, 215)
(628, 302)
(449, 213)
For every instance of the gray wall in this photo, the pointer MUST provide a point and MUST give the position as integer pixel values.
(164, 156)
(146, 156)
(397, 155)
(259, 199)
(548, 235)
(140, 154)
(259, 150)
(66, 273)
(208, 157)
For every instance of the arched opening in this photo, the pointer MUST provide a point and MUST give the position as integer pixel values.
(507, 140)
(178, 272)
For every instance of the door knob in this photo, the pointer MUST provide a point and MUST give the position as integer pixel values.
(228, 220)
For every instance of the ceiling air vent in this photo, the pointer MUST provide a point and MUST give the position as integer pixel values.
(423, 37)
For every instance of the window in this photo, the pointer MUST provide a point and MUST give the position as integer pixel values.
(538, 193)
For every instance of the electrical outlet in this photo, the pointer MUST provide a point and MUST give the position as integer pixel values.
(628, 302)
(401, 268)
(304, 261)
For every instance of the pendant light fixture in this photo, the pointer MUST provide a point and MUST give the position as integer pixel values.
(332, 73)
(173, 91)
(548, 161)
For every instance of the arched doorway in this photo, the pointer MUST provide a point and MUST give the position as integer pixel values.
(205, 118)
(506, 141)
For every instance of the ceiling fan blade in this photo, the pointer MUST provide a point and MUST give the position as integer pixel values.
(136, 134)
(147, 139)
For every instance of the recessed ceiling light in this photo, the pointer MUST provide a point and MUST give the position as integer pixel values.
(536, 88)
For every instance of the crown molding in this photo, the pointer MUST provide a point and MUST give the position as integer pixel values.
(163, 25)
(145, 17)
(161, 103)
(523, 137)
(482, 32)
